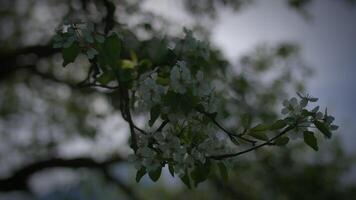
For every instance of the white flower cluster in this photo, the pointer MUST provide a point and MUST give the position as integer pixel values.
(150, 92)
(67, 34)
(297, 112)
(161, 147)
(292, 106)
(181, 81)
(168, 145)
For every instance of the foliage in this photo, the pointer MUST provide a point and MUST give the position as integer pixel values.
(183, 130)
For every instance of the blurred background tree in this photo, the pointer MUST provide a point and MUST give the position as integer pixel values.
(62, 140)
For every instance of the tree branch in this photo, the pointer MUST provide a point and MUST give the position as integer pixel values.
(230, 134)
(160, 128)
(9, 60)
(223, 156)
(109, 18)
(18, 180)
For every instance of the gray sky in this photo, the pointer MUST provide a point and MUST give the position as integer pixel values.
(327, 40)
(328, 44)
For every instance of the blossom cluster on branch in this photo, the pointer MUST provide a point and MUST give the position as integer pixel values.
(183, 130)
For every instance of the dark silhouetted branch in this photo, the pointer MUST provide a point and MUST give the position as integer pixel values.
(18, 180)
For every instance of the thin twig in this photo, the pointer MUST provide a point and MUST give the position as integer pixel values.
(140, 130)
(99, 85)
(160, 128)
(223, 156)
(230, 134)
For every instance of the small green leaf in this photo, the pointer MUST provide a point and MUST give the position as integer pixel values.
(258, 131)
(289, 120)
(281, 141)
(260, 135)
(334, 127)
(106, 77)
(200, 173)
(127, 64)
(278, 124)
(109, 52)
(154, 175)
(70, 54)
(260, 127)
(322, 128)
(310, 140)
(223, 171)
(304, 102)
(154, 114)
(162, 81)
(171, 169)
(313, 99)
(316, 109)
(140, 173)
(185, 179)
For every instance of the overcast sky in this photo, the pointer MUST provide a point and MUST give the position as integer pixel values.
(328, 43)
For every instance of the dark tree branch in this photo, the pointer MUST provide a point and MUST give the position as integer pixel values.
(268, 142)
(160, 128)
(99, 85)
(18, 180)
(109, 18)
(9, 60)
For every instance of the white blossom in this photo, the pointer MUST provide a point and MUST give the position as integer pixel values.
(180, 77)
(291, 106)
(151, 92)
(201, 87)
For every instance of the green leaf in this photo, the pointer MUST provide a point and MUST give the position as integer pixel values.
(316, 109)
(260, 127)
(70, 54)
(171, 169)
(140, 173)
(154, 114)
(223, 171)
(278, 124)
(200, 173)
(281, 141)
(303, 102)
(260, 135)
(310, 140)
(185, 179)
(126, 75)
(162, 81)
(258, 131)
(322, 128)
(110, 51)
(154, 175)
(106, 77)
(127, 64)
